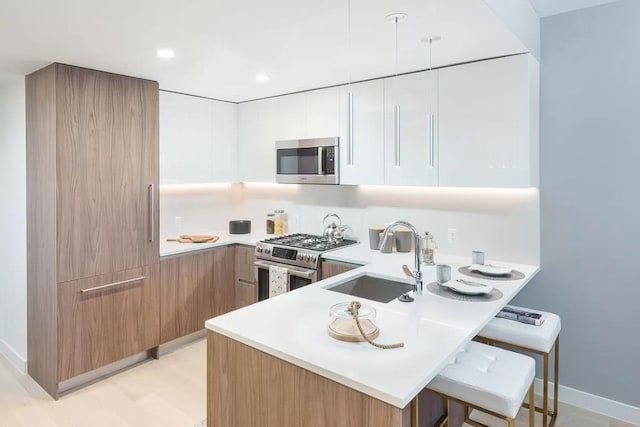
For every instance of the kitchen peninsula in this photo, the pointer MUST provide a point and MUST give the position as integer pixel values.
(273, 363)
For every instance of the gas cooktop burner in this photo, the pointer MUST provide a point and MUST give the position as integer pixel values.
(308, 241)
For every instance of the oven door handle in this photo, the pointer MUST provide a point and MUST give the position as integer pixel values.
(292, 271)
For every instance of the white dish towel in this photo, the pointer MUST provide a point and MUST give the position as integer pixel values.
(278, 280)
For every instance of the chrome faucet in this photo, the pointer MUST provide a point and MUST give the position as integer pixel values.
(416, 273)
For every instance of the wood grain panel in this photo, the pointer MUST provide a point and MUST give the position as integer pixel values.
(247, 388)
(223, 289)
(107, 153)
(151, 162)
(245, 289)
(245, 257)
(333, 268)
(179, 279)
(104, 326)
(85, 132)
(205, 288)
(136, 167)
(246, 293)
(41, 228)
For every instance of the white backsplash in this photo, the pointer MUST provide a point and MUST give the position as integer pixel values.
(505, 223)
(193, 209)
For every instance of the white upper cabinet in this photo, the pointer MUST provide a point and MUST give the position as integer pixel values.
(313, 114)
(186, 139)
(323, 113)
(225, 141)
(362, 133)
(489, 123)
(292, 116)
(257, 135)
(472, 125)
(410, 134)
(198, 140)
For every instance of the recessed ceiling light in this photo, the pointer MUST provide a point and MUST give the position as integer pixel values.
(262, 78)
(165, 53)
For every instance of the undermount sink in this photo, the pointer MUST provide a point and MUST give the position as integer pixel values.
(372, 288)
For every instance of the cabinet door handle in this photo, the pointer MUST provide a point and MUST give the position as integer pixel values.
(152, 203)
(432, 122)
(246, 282)
(111, 285)
(397, 135)
(350, 147)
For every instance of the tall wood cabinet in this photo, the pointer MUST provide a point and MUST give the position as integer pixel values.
(92, 220)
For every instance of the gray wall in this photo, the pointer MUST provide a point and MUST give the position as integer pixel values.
(590, 196)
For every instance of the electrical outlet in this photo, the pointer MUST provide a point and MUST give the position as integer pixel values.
(452, 235)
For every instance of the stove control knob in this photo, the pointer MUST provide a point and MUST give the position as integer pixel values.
(314, 258)
(268, 250)
(299, 257)
(259, 249)
(305, 257)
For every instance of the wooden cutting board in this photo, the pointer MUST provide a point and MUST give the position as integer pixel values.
(195, 238)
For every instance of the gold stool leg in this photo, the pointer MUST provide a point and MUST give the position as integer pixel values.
(545, 390)
(532, 406)
(511, 422)
(415, 420)
(556, 369)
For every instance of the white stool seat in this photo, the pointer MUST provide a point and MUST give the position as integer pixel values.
(488, 377)
(540, 338)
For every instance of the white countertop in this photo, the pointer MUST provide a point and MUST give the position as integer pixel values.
(293, 326)
(175, 248)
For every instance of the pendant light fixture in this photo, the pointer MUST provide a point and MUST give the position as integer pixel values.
(430, 40)
(396, 19)
(349, 91)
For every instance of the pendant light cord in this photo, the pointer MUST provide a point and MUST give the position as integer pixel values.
(349, 41)
(396, 47)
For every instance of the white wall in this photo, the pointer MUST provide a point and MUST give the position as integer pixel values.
(590, 197)
(523, 21)
(197, 208)
(13, 248)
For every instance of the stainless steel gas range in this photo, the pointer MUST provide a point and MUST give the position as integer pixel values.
(285, 263)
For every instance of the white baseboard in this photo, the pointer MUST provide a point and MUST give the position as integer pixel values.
(593, 403)
(13, 357)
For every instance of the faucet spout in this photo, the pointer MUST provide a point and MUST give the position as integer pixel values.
(417, 274)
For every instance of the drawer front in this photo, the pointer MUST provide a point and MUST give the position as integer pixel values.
(246, 293)
(245, 257)
(106, 318)
(333, 268)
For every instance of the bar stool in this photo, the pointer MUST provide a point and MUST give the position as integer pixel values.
(488, 379)
(530, 339)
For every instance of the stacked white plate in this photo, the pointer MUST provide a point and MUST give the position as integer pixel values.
(490, 270)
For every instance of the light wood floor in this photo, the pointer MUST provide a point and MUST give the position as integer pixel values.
(166, 392)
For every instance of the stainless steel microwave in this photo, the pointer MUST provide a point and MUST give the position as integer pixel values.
(308, 161)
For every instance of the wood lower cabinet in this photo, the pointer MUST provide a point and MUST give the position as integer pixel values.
(249, 388)
(178, 297)
(246, 289)
(107, 318)
(193, 288)
(218, 296)
(333, 268)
